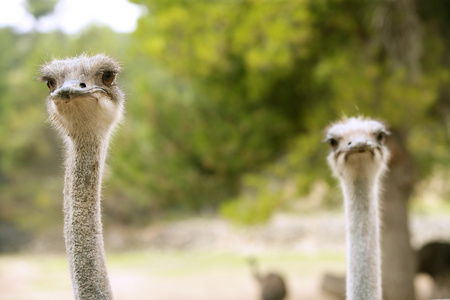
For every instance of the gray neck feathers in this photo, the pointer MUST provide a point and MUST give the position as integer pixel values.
(82, 217)
(363, 239)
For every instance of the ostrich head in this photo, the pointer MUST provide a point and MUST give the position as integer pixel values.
(357, 148)
(83, 98)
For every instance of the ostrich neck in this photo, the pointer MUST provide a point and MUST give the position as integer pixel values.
(82, 218)
(363, 248)
(256, 273)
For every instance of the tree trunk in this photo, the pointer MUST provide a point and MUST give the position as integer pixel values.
(398, 28)
(398, 258)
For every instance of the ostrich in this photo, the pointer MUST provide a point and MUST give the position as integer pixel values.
(434, 259)
(358, 158)
(272, 284)
(84, 105)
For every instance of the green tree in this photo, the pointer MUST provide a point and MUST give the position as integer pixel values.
(238, 83)
(258, 80)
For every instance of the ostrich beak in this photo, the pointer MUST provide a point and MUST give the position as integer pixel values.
(359, 146)
(73, 88)
(70, 88)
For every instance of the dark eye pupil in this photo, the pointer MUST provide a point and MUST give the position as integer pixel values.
(51, 84)
(333, 143)
(108, 78)
(380, 137)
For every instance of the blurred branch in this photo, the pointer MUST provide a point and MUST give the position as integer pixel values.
(397, 27)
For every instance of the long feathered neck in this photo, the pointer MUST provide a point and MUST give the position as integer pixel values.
(82, 217)
(363, 238)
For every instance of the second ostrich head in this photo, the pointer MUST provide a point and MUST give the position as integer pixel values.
(357, 148)
(84, 99)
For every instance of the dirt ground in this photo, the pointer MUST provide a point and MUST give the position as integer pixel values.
(204, 260)
(175, 276)
(166, 276)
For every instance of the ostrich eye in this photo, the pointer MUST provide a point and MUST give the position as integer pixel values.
(381, 136)
(51, 83)
(108, 78)
(332, 142)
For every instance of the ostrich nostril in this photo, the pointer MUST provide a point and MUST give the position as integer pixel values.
(349, 143)
(82, 85)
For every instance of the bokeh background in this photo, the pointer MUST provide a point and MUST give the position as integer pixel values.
(220, 156)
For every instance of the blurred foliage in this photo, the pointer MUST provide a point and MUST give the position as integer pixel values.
(233, 98)
(226, 105)
(30, 153)
(261, 80)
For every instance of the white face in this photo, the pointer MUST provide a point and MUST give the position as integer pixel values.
(83, 96)
(92, 112)
(357, 148)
